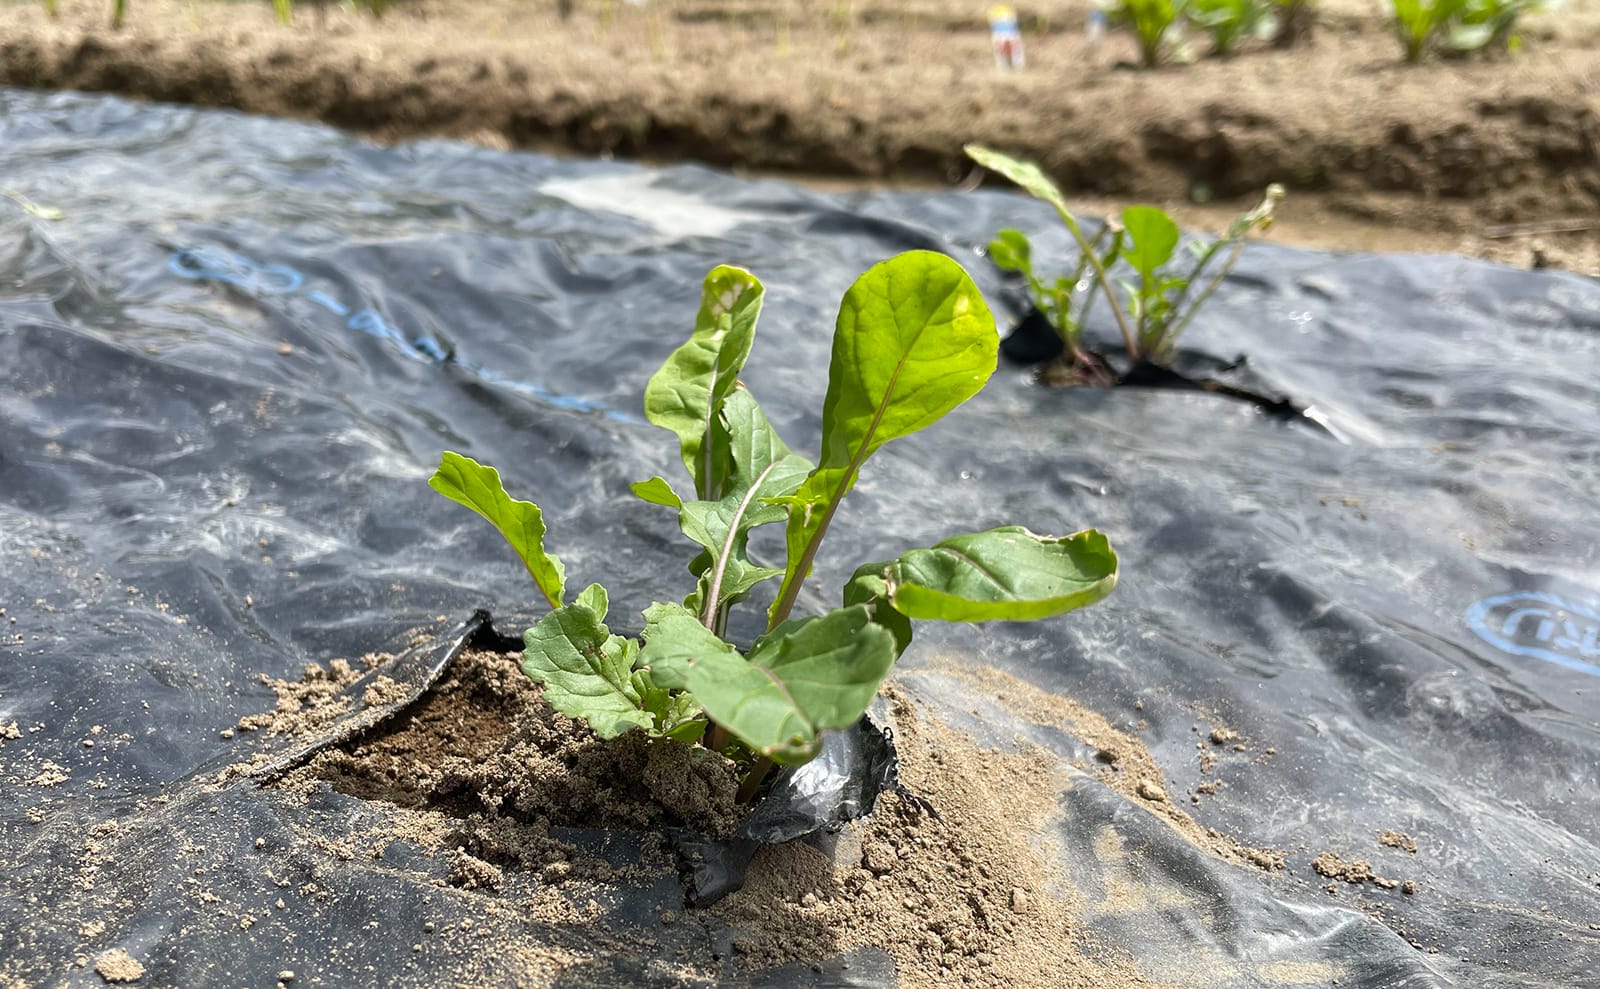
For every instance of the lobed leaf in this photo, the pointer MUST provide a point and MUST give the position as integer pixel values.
(587, 672)
(1153, 239)
(477, 486)
(686, 394)
(805, 678)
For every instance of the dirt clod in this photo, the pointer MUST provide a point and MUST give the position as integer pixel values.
(1151, 790)
(117, 965)
(1354, 872)
(878, 857)
(484, 745)
(470, 872)
(1397, 839)
(1019, 900)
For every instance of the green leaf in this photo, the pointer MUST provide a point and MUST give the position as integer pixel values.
(477, 486)
(678, 719)
(1007, 573)
(868, 586)
(914, 340)
(1030, 177)
(762, 469)
(656, 491)
(1154, 237)
(594, 598)
(1010, 251)
(819, 674)
(673, 639)
(686, 394)
(587, 672)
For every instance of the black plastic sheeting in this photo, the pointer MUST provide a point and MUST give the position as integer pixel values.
(226, 373)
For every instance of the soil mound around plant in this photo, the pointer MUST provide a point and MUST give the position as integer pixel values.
(483, 745)
(954, 884)
(1457, 149)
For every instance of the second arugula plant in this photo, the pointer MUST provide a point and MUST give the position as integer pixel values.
(1161, 298)
(913, 341)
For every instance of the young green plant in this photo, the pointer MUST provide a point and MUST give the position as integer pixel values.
(1231, 21)
(1065, 302)
(1151, 21)
(1162, 301)
(913, 341)
(1419, 24)
(1490, 25)
(1159, 302)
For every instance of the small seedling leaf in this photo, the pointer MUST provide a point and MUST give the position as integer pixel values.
(1153, 238)
(587, 672)
(868, 586)
(914, 340)
(762, 471)
(673, 639)
(805, 678)
(686, 394)
(477, 486)
(656, 491)
(594, 598)
(1010, 251)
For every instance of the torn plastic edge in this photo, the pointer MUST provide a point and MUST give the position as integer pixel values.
(842, 784)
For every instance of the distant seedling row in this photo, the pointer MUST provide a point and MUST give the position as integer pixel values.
(1422, 27)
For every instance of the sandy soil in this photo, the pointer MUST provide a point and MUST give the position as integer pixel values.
(957, 888)
(1482, 156)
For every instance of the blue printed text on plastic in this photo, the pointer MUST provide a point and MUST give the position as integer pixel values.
(1533, 623)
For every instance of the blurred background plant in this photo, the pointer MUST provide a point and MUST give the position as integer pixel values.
(1491, 25)
(1420, 25)
(1153, 23)
(1231, 21)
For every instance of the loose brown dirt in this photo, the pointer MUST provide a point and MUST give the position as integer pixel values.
(482, 744)
(1490, 157)
(959, 886)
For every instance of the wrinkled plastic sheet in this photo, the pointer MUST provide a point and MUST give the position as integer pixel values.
(225, 374)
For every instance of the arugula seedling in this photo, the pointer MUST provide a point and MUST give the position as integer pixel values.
(1419, 23)
(1159, 302)
(913, 341)
(1486, 25)
(1065, 302)
(1231, 21)
(1150, 21)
